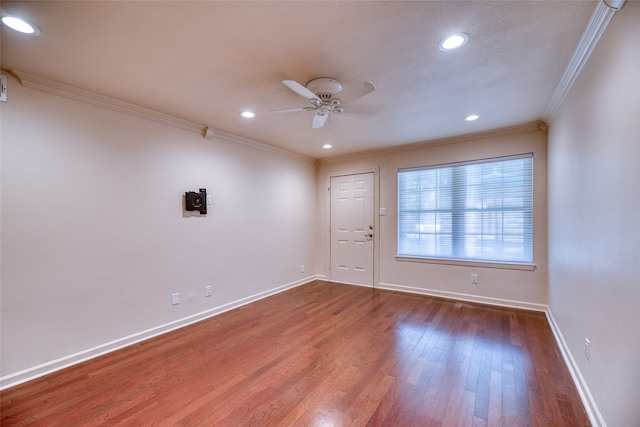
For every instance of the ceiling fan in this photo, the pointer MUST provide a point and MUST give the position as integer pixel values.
(328, 96)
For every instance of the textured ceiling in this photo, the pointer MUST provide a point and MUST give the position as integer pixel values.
(205, 61)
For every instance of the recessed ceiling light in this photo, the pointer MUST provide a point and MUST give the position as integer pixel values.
(453, 41)
(248, 114)
(327, 146)
(20, 25)
(472, 117)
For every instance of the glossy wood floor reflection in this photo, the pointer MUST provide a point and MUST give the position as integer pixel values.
(322, 354)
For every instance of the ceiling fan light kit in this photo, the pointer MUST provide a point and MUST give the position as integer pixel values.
(322, 93)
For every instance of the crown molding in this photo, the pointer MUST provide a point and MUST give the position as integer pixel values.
(218, 134)
(71, 92)
(77, 94)
(592, 35)
(527, 127)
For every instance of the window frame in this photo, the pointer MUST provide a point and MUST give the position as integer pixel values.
(452, 260)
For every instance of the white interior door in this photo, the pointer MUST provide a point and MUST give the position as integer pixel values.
(352, 230)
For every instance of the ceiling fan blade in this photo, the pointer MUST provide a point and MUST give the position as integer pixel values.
(352, 92)
(319, 120)
(299, 89)
(291, 110)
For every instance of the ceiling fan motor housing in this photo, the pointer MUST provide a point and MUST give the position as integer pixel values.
(324, 87)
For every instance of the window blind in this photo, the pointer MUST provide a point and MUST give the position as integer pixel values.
(475, 211)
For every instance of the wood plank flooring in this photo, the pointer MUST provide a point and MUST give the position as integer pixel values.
(323, 354)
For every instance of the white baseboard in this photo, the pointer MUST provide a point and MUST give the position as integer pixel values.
(351, 283)
(29, 374)
(43, 369)
(465, 297)
(583, 390)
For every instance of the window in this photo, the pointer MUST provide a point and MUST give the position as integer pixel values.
(473, 211)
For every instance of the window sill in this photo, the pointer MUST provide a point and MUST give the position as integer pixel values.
(483, 264)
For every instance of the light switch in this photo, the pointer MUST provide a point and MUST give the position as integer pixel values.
(383, 211)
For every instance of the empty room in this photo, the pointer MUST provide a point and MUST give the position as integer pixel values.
(320, 213)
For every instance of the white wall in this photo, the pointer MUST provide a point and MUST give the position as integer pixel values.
(95, 239)
(594, 221)
(496, 285)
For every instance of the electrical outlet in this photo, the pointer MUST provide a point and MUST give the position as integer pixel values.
(175, 298)
(302, 268)
(208, 290)
(474, 279)
(587, 348)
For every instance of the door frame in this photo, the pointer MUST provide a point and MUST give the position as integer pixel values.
(375, 170)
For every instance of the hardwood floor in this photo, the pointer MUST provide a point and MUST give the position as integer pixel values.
(322, 354)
